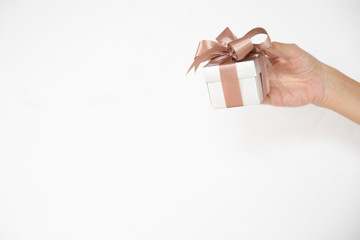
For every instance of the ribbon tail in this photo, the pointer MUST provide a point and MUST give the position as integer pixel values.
(268, 63)
(192, 65)
(196, 64)
(207, 56)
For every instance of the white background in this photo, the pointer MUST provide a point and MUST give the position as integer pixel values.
(102, 136)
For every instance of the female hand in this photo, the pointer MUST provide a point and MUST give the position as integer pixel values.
(306, 80)
(294, 84)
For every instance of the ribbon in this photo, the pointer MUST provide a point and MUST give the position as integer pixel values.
(228, 49)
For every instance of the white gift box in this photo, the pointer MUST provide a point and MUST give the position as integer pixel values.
(252, 76)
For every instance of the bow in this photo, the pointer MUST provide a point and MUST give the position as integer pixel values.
(229, 47)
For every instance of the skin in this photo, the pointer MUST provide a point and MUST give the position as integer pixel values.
(307, 80)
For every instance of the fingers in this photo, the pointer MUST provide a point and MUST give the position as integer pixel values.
(288, 50)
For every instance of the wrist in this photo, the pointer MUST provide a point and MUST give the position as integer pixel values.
(340, 93)
(326, 78)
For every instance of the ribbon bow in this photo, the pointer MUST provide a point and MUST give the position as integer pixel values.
(229, 47)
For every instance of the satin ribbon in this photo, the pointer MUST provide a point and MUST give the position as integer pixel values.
(228, 47)
(226, 51)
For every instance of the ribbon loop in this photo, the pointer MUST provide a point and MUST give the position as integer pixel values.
(240, 48)
(226, 36)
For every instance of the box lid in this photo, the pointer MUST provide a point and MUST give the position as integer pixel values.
(245, 68)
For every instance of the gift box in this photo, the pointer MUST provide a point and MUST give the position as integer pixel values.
(249, 86)
(236, 73)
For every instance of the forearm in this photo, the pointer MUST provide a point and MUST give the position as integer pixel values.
(342, 94)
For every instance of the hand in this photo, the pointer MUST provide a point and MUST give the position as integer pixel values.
(306, 80)
(294, 84)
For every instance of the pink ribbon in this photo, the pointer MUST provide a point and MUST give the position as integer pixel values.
(228, 47)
